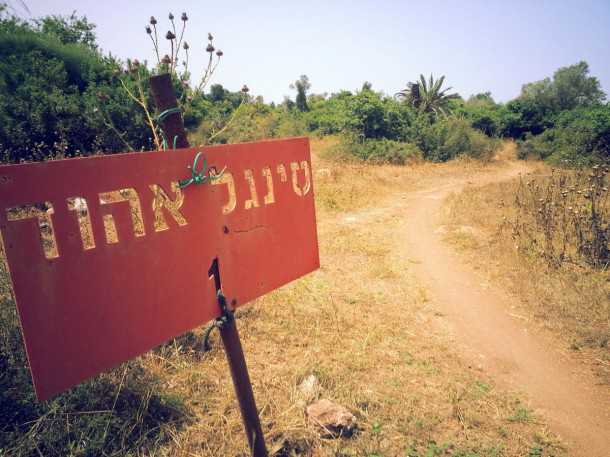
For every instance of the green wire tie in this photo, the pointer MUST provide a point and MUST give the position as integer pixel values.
(163, 114)
(160, 119)
(199, 177)
(164, 141)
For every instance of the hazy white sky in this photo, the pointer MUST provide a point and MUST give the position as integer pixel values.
(479, 45)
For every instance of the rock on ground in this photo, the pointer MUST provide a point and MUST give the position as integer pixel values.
(331, 420)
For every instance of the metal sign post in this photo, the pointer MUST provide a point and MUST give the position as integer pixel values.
(239, 370)
(173, 127)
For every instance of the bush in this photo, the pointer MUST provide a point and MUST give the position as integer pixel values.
(536, 146)
(483, 113)
(60, 99)
(580, 137)
(451, 137)
(541, 102)
(249, 122)
(377, 151)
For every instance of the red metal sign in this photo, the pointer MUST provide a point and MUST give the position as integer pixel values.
(109, 257)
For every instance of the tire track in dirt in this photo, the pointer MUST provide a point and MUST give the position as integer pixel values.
(505, 348)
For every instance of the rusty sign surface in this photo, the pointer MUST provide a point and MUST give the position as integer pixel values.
(109, 257)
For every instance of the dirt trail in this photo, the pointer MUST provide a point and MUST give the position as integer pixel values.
(479, 321)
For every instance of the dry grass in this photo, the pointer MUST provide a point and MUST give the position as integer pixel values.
(545, 236)
(363, 327)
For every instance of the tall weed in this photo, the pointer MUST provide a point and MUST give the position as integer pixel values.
(565, 217)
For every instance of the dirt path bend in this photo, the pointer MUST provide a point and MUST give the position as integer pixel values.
(479, 321)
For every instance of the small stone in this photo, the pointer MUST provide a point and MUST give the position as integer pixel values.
(309, 389)
(331, 420)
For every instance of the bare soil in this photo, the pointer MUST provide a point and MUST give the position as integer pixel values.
(480, 319)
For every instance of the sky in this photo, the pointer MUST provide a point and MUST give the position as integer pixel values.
(479, 46)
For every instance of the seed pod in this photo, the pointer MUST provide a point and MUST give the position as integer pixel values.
(210, 37)
(166, 59)
(245, 89)
(185, 46)
(210, 48)
(219, 53)
(153, 21)
(184, 17)
(171, 17)
(148, 29)
(169, 35)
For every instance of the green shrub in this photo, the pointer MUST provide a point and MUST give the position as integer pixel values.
(376, 151)
(580, 137)
(451, 137)
(482, 112)
(541, 102)
(60, 99)
(249, 122)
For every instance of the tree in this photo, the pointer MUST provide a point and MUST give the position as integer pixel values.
(542, 102)
(366, 85)
(481, 99)
(69, 30)
(428, 96)
(571, 87)
(301, 85)
(217, 93)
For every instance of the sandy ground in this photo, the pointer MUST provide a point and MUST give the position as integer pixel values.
(478, 319)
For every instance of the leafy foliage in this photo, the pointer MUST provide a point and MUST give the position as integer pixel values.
(541, 102)
(428, 96)
(452, 137)
(59, 99)
(579, 137)
(571, 87)
(69, 30)
(377, 151)
(301, 85)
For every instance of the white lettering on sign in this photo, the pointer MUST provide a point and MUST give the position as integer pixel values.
(252, 202)
(162, 201)
(162, 206)
(270, 197)
(294, 167)
(79, 205)
(281, 170)
(227, 179)
(43, 213)
(117, 196)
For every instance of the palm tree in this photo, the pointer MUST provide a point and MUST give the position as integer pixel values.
(427, 96)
